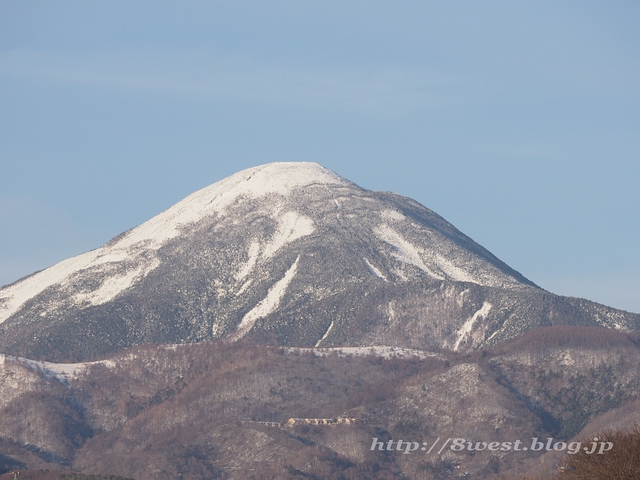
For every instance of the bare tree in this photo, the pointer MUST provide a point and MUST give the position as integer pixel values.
(620, 462)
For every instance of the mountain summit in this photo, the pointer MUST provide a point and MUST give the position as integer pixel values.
(287, 253)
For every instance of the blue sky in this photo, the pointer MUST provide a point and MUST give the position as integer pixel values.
(519, 122)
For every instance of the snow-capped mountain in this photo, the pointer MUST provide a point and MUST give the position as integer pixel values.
(289, 253)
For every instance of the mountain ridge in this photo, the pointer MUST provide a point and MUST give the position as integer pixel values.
(289, 253)
(222, 409)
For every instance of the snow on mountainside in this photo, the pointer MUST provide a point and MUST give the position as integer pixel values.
(134, 247)
(289, 252)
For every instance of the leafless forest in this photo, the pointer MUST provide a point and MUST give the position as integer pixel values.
(198, 411)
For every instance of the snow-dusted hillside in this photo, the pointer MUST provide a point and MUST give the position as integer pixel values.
(285, 252)
(130, 256)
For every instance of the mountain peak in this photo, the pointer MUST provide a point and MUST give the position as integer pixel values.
(284, 251)
(278, 178)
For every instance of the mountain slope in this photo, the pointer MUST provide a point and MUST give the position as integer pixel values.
(289, 253)
(222, 410)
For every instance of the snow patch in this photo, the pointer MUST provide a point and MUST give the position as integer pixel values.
(291, 226)
(494, 334)
(244, 287)
(104, 259)
(254, 250)
(404, 250)
(375, 350)
(268, 304)
(392, 215)
(116, 284)
(374, 270)
(452, 271)
(15, 295)
(325, 335)
(468, 325)
(65, 372)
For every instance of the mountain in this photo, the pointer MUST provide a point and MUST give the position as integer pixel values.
(222, 409)
(277, 323)
(289, 254)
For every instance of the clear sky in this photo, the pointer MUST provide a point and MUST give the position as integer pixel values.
(518, 122)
